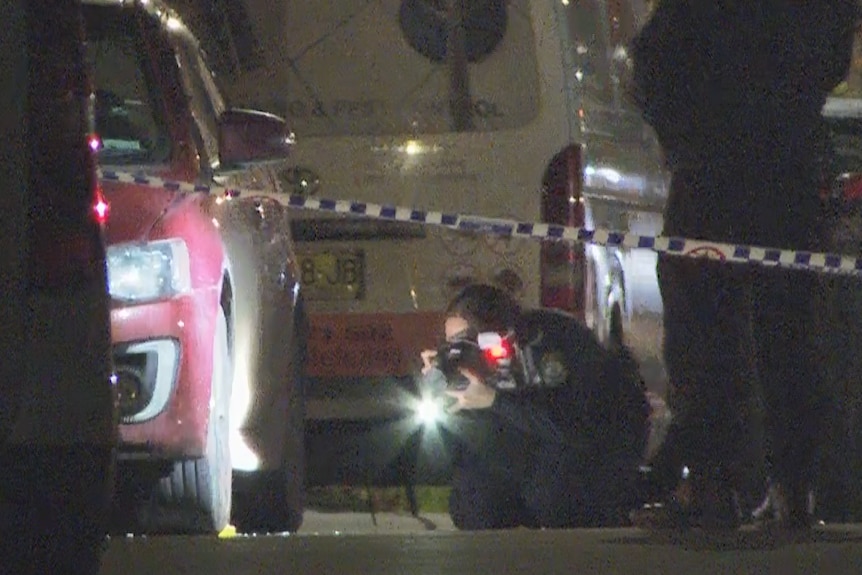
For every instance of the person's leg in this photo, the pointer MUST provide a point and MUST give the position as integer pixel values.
(839, 493)
(552, 503)
(793, 385)
(479, 500)
(571, 490)
(709, 359)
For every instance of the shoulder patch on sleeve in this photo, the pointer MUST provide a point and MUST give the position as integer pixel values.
(552, 368)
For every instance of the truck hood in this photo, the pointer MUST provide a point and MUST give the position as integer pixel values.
(135, 209)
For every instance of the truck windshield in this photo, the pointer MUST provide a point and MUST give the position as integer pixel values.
(129, 116)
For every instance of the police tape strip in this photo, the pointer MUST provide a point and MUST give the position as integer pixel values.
(683, 247)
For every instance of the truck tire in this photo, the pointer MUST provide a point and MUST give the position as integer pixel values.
(274, 501)
(293, 470)
(201, 488)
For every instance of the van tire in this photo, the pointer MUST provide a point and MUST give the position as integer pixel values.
(201, 488)
(616, 338)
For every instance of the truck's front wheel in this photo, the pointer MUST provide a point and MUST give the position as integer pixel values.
(201, 488)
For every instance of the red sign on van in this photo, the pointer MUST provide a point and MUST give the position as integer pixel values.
(370, 345)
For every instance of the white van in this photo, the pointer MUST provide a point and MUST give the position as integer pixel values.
(528, 111)
(58, 422)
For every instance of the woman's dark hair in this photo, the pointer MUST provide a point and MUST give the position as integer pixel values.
(485, 307)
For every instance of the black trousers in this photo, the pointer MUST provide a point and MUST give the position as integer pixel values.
(534, 486)
(743, 369)
(739, 342)
(551, 499)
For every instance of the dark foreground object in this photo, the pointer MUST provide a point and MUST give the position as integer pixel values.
(53, 509)
(613, 551)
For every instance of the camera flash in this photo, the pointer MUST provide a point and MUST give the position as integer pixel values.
(428, 411)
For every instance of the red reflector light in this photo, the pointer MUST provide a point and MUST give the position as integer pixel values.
(561, 297)
(101, 208)
(94, 142)
(561, 270)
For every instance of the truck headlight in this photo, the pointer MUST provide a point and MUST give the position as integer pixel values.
(141, 272)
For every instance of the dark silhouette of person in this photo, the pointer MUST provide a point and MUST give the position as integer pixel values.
(564, 450)
(734, 90)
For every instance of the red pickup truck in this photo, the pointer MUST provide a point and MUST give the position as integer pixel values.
(207, 318)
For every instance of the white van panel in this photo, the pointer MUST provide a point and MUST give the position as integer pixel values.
(495, 170)
(364, 147)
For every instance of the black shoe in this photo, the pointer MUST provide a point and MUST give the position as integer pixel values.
(691, 506)
(785, 509)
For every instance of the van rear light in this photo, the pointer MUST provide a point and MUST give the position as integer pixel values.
(846, 190)
(562, 263)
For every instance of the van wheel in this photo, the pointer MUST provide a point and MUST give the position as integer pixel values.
(600, 321)
(615, 327)
(201, 488)
(274, 501)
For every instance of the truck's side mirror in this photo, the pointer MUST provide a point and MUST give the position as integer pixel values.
(249, 137)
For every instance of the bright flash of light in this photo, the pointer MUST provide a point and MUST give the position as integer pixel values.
(412, 148)
(428, 411)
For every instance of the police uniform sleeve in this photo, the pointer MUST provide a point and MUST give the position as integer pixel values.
(601, 404)
(528, 417)
(666, 60)
(550, 412)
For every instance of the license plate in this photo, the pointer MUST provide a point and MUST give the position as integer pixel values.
(333, 275)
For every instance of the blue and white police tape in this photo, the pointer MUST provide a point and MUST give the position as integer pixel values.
(683, 247)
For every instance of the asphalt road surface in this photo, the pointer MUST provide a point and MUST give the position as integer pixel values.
(347, 544)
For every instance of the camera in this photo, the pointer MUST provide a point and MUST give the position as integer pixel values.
(489, 355)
